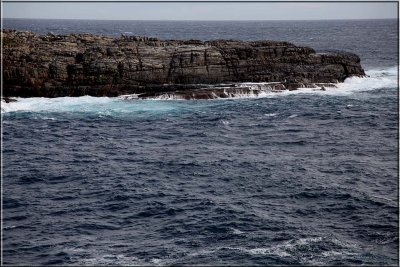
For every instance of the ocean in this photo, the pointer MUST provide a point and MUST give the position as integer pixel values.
(295, 178)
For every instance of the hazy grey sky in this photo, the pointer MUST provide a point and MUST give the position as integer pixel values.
(201, 11)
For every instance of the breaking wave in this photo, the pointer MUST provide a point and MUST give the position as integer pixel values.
(376, 79)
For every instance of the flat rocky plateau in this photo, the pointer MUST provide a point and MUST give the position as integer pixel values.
(86, 64)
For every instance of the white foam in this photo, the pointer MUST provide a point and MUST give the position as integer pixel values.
(237, 231)
(129, 97)
(109, 259)
(377, 79)
(93, 257)
(157, 261)
(59, 104)
(167, 96)
(103, 106)
(9, 227)
(286, 249)
(296, 249)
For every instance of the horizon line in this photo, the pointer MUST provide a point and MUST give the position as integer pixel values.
(203, 19)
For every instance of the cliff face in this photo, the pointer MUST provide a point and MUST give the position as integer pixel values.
(84, 64)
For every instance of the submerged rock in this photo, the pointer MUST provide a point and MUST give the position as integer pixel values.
(85, 64)
(8, 99)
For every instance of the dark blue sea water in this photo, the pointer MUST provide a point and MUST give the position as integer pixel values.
(300, 177)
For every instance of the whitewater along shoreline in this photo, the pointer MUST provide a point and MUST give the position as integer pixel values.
(143, 67)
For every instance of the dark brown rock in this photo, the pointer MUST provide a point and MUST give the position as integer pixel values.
(85, 64)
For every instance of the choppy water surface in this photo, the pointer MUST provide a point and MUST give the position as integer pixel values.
(300, 177)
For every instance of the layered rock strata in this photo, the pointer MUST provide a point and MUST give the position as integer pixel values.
(85, 64)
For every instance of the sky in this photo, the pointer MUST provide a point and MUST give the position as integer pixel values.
(200, 10)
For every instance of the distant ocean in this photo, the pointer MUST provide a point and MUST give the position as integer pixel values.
(302, 177)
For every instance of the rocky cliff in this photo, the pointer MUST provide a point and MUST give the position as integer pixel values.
(84, 64)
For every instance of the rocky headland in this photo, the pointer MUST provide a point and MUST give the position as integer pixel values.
(86, 64)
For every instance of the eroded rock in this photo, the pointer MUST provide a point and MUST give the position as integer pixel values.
(86, 64)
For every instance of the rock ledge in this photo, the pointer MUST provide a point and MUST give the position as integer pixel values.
(85, 64)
